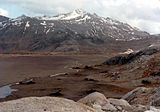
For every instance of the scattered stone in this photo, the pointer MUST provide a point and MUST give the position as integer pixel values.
(94, 98)
(139, 108)
(119, 102)
(27, 82)
(89, 79)
(135, 93)
(109, 107)
(105, 71)
(88, 67)
(58, 74)
(155, 98)
(156, 102)
(57, 92)
(153, 109)
(76, 68)
(144, 96)
(99, 102)
(146, 82)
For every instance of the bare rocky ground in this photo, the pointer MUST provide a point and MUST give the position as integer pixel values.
(17, 67)
(114, 78)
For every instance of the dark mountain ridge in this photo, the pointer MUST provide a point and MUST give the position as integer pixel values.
(76, 31)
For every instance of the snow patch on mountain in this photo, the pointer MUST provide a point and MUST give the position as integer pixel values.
(110, 21)
(47, 31)
(1, 24)
(72, 15)
(27, 24)
(43, 23)
(17, 23)
(50, 18)
(84, 19)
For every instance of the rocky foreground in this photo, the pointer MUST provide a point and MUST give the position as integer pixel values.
(94, 102)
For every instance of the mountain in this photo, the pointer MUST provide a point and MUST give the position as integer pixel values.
(74, 31)
(91, 25)
(3, 18)
(156, 35)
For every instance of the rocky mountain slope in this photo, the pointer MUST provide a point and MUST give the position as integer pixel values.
(74, 31)
(3, 18)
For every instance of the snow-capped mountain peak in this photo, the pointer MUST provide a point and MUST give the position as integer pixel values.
(69, 16)
(73, 28)
(20, 18)
(79, 22)
(75, 14)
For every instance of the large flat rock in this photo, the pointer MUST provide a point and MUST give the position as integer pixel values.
(43, 104)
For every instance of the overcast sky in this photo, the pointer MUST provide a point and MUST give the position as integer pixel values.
(144, 14)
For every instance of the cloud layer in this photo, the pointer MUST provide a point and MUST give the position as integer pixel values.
(144, 14)
(3, 12)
